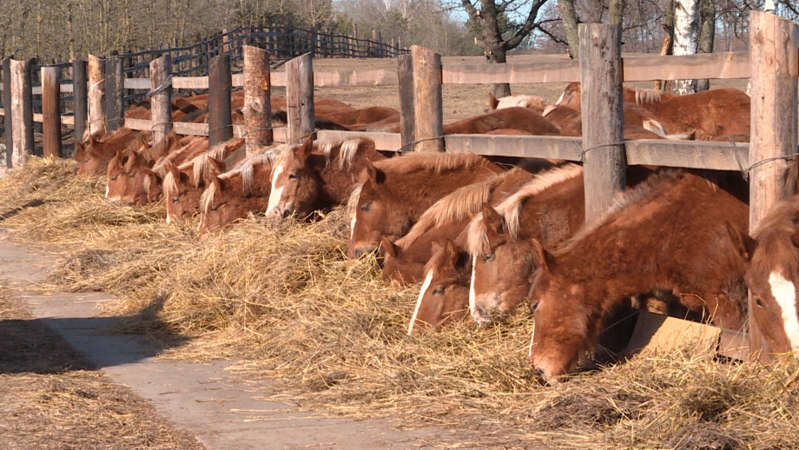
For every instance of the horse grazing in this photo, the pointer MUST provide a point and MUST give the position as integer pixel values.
(404, 259)
(237, 192)
(183, 184)
(772, 277)
(316, 176)
(677, 231)
(718, 114)
(393, 193)
(524, 101)
(516, 118)
(96, 150)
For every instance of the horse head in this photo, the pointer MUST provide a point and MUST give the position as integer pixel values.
(295, 184)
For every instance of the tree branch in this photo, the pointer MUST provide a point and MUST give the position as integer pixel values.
(528, 26)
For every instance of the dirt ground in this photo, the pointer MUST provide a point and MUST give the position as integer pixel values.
(52, 398)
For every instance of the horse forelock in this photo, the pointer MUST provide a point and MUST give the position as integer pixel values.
(621, 201)
(352, 201)
(510, 208)
(200, 169)
(647, 95)
(348, 151)
(207, 197)
(170, 186)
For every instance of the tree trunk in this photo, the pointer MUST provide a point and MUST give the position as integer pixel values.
(569, 17)
(707, 34)
(492, 39)
(686, 38)
(616, 12)
(497, 56)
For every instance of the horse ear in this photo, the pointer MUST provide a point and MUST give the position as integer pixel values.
(744, 244)
(372, 173)
(303, 151)
(389, 247)
(540, 255)
(492, 101)
(451, 251)
(493, 221)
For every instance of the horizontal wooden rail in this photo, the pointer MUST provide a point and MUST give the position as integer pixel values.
(199, 129)
(65, 120)
(37, 90)
(383, 141)
(688, 154)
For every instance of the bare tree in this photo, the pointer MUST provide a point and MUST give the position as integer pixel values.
(494, 42)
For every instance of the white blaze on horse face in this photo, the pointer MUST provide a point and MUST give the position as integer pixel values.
(422, 292)
(352, 225)
(276, 193)
(472, 295)
(107, 190)
(785, 293)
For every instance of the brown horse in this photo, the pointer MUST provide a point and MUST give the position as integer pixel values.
(678, 232)
(772, 277)
(639, 123)
(94, 153)
(550, 207)
(304, 181)
(129, 175)
(516, 118)
(718, 114)
(393, 193)
(182, 185)
(404, 260)
(237, 192)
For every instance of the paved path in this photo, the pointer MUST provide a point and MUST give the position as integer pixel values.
(200, 398)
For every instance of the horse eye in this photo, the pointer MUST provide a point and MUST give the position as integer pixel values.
(488, 257)
(759, 302)
(293, 176)
(114, 178)
(175, 199)
(365, 206)
(438, 291)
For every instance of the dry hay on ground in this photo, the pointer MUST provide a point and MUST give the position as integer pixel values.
(285, 300)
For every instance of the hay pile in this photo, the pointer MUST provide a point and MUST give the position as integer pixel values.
(286, 300)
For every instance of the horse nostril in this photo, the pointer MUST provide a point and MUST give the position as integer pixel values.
(285, 213)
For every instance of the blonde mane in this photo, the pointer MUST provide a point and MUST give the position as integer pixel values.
(438, 162)
(462, 203)
(511, 207)
(352, 202)
(207, 197)
(170, 186)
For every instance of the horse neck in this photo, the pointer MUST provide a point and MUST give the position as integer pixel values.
(337, 181)
(554, 215)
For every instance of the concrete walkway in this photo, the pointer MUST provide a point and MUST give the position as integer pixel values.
(200, 398)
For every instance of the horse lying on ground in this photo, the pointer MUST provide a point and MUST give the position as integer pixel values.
(524, 101)
(393, 193)
(678, 232)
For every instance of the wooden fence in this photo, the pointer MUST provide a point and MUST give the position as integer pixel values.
(772, 64)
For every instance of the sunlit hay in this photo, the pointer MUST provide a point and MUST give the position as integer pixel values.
(286, 301)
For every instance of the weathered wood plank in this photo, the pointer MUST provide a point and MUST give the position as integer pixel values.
(257, 108)
(51, 114)
(65, 88)
(199, 129)
(687, 154)
(219, 103)
(96, 95)
(549, 147)
(161, 103)
(602, 115)
(405, 77)
(80, 100)
(428, 104)
(299, 97)
(114, 93)
(383, 141)
(9, 141)
(21, 113)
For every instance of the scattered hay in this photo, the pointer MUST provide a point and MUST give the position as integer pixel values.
(287, 302)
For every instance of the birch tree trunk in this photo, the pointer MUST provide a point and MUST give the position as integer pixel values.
(686, 38)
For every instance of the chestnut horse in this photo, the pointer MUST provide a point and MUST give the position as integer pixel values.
(678, 232)
(129, 175)
(772, 277)
(404, 259)
(718, 114)
(237, 192)
(304, 181)
(183, 184)
(639, 123)
(94, 153)
(393, 193)
(516, 118)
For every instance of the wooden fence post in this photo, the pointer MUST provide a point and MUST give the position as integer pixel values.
(79, 97)
(51, 111)
(603, 119)
(773, 56)
(96, 95)
(405, 78)
(114, 94)
(7, 120)
(21, 113)
(257, 109)
(220, 122)
(427, 100)
(161, 102)
(299, 98)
